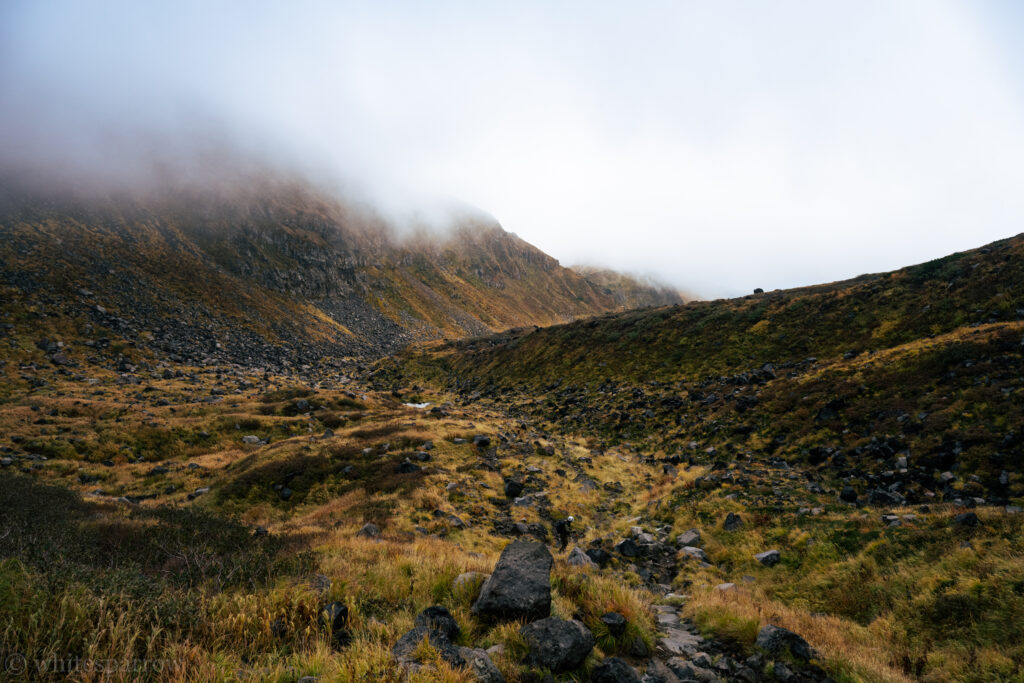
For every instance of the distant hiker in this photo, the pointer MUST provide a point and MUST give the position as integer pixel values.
(562, 531)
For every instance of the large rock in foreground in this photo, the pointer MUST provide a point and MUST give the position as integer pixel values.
(520, 586)
(438, 626)
(557, 644)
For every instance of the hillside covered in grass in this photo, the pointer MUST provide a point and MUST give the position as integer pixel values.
(710, 338)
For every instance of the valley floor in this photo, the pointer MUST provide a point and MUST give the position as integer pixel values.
(190, 524)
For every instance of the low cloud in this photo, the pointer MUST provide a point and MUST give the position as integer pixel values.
(719, 148)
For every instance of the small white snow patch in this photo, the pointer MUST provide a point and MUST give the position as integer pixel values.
(416, 405)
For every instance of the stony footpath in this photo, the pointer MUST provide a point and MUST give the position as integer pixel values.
(684, 655)
(519, 590)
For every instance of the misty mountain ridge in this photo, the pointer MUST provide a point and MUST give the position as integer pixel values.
(631, 290)
(264, 268)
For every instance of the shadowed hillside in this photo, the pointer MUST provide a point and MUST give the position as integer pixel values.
(707, 338)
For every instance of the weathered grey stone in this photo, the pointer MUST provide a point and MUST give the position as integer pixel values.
(688, 538)
(776, 640)
(614, 670)
(696, 553)
(615, 622)
(520, 587)
(369, 530)
(732, 522)
(479, 662)
(578, 558)
(966, 519)
(437, 625)
(557, 644)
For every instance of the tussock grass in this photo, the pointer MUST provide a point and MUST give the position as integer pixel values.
(589, 595)
(850, 651)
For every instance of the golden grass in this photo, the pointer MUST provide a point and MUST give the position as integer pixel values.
(858, 652)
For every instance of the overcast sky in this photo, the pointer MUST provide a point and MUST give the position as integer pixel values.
(719, 146)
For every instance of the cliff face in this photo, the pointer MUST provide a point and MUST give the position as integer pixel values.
(273, 271)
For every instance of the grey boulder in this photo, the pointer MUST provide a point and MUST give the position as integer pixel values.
(578, 558)
(776, 641)
(369, 530)
(614, 670)
(696, 553)
(520, 586)
(479, 662)
(615, 622)
(688, 538)
(557, 644)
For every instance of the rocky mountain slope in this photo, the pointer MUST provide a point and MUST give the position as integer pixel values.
(268, 272)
